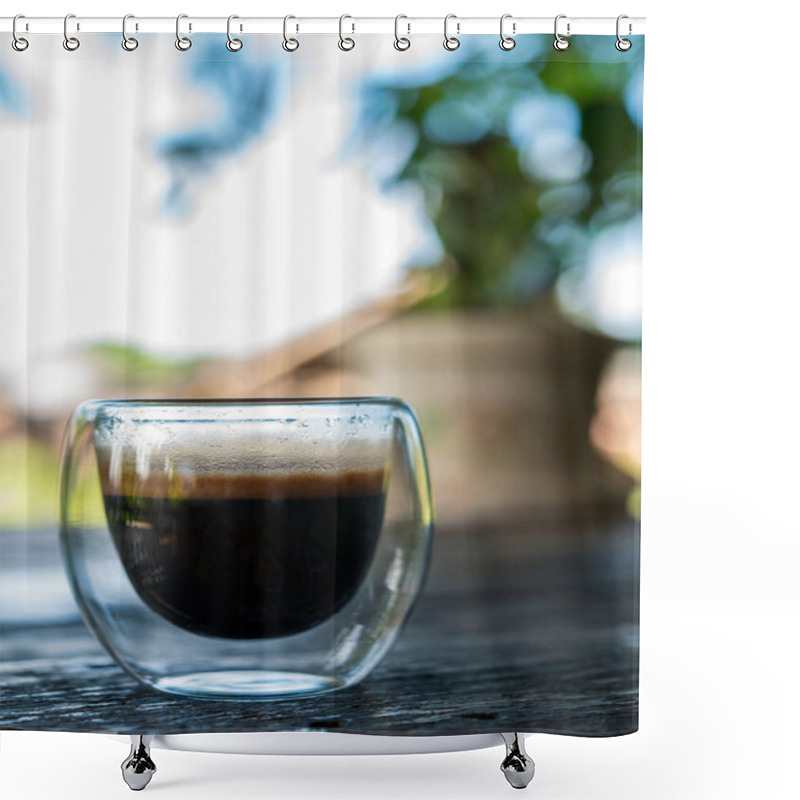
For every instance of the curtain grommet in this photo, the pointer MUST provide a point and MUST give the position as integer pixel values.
(560, 43)
(451, 43)
(183, 43)
(346, 43)
(507, 42)
(19, 43)
(71, 43)
(401, 43)
(129, 43)
(233, 44)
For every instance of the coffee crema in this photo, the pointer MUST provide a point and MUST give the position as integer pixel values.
(246, 556)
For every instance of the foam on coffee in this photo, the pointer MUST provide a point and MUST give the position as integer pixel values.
(256, 485)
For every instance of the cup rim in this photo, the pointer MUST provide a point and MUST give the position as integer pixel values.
(244, 401)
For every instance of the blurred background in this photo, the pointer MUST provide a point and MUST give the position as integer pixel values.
(462, 230)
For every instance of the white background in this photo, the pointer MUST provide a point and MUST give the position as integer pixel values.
(719, 687)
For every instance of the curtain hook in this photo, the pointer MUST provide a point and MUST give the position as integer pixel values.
(621, 44)
(181, 42)
(346, 42)
(128, 42)
(233, 44)
(451, 42)
(19, 43)
(401, 42)
(71, 43)
(289, 44)
(560, 42)
(507, 42)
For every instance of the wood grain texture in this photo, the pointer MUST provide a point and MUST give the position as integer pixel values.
(527, 626)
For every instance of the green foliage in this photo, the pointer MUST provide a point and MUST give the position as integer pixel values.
(508, 231)
(29, 491)
(134, 366)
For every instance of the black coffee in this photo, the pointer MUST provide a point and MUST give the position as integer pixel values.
(249, 557)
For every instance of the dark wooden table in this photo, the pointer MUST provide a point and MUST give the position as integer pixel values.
(522, 626)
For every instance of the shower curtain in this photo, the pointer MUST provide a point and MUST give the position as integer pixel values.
(458, 228)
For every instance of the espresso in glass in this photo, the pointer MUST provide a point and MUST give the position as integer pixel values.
(247, 556)
(245, 549)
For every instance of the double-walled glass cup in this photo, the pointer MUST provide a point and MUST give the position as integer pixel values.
(245, 548)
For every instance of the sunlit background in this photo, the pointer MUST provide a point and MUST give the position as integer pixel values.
(460, 229)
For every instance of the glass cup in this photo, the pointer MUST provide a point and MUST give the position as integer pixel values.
(245, 548)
